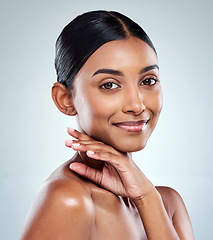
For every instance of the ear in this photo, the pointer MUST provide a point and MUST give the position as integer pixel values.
(62, 98)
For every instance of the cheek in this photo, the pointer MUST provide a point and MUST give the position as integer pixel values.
(154, 103)
(158, 104)
(94, 111)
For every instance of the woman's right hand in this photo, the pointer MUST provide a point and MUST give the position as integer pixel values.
(119, 174)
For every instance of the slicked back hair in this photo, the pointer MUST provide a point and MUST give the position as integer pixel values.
(85, 34)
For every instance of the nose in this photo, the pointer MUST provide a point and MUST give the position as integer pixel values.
(133, 102)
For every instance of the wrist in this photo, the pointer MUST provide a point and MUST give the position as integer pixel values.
(151, 195)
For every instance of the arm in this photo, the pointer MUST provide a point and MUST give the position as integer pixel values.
(121, 176)
(178, 211)
(62, 210)
(154, 215)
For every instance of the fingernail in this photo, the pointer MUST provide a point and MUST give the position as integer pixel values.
(70, 129)
(68, 142)
(75, 144)
(90, 152)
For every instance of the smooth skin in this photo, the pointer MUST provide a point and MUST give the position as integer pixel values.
(101, 193)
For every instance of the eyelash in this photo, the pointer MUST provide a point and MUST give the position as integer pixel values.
(149, 79)
(112, 83)
(104, 86)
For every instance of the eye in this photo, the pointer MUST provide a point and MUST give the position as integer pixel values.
(109, 85)
(149, 81)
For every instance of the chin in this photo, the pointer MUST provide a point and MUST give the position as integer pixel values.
(130, 147)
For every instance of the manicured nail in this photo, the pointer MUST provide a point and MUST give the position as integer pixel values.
(90, 152)
(70, 129)
(76, 144)
(68, 142)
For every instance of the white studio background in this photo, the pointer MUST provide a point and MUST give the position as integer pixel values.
(33, 131)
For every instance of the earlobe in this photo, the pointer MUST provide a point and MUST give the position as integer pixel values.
(62, 98)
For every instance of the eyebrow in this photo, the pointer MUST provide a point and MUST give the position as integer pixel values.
(119, 73)
(146, 69)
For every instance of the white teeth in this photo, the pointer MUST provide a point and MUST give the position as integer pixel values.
(144, 127)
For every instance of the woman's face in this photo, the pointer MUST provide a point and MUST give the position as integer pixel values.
(117, 94)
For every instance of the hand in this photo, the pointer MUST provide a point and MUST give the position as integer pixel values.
(119, 174)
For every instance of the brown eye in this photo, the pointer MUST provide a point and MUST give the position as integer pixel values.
(149, 81)
(109, 85)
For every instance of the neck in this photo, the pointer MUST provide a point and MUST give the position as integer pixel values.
(90, 162)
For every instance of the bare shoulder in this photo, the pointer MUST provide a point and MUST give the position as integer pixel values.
(177, 211)
(63, 209)
(171, 199)
(68, 193)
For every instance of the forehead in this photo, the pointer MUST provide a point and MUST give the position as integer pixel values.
(122, 54)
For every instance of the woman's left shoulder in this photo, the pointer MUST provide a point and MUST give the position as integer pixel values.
(168, 193)
(176, 211)
(171, 199)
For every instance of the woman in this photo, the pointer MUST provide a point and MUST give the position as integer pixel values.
(108, 76)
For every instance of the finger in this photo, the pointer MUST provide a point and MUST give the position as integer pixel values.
(92, 146)
(109, 157)
(69, 143)
(76, 134)
(83, 142)
(85, 139)
(85, 171)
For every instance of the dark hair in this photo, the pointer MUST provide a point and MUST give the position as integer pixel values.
(85, 34)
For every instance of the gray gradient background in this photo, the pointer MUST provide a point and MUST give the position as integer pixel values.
(179, 153)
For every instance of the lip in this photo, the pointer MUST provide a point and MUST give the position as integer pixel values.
(132, 126)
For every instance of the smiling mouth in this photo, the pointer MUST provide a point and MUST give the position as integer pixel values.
(132, 126)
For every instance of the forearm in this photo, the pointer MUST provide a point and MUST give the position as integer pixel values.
(155, 218)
